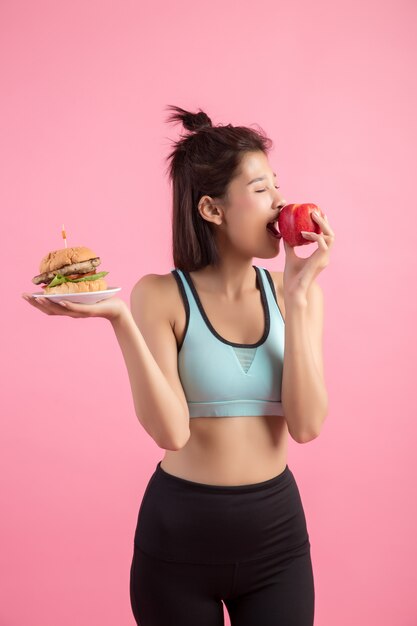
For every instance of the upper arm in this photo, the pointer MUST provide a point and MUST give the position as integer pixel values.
(150, 310)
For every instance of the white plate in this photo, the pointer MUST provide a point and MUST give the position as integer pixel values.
(86, 297)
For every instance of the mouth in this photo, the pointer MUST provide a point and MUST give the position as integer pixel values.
(272, 229)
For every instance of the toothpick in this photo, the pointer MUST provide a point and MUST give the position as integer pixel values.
(64, 236)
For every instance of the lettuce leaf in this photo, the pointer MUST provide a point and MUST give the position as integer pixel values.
(59, 279)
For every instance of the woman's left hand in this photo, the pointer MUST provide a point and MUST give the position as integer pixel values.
(300, 273)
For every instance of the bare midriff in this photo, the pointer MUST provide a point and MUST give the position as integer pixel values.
(231, 450)
(236, 450)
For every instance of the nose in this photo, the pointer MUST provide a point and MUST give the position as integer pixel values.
(281, 201)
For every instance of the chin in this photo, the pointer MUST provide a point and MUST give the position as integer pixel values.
(270, 252)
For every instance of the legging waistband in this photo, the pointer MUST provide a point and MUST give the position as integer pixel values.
(183, 520)
(205, 487)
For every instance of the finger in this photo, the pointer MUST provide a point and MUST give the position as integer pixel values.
(318, 238)
(46, 305)
(71, 306)
(38, 304)
(77, 308)
(28, 299)
(49, 306)
(63, 307)
(318, 218)
(45, 301)
(323, 222)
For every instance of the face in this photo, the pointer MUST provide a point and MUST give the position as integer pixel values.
(241, 220)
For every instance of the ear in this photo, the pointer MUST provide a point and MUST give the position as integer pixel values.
(210, 210)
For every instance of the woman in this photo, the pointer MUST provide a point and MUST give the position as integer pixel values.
(221, 519)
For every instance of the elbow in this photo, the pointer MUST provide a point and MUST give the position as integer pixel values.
(305, 436)
(176, 443)
(167, 440)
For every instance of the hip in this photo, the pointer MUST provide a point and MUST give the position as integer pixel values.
(187, 521)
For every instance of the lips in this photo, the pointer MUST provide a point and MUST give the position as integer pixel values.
(271, 227)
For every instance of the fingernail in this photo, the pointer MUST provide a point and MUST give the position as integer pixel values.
(62, 303)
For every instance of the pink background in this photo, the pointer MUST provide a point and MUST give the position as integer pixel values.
(84, 88)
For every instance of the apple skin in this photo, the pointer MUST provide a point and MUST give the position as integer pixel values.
(294, 218)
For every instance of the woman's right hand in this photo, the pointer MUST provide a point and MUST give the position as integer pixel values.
(110, 309)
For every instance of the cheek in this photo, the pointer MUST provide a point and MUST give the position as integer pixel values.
(249, 212)
(247, 232)
(246, 219)
(244, 227)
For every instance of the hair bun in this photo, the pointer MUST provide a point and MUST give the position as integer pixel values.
(191, 121)
(199, 121)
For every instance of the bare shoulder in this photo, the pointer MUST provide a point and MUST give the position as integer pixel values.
(159, 290)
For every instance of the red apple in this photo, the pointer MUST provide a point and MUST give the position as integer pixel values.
(294, 218)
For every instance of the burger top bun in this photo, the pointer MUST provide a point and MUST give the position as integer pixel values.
(66, 256)
(81, 287)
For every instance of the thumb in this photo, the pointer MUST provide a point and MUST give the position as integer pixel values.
(289, 250)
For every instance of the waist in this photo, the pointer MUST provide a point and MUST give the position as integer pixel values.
(231, 451)
(198, 487)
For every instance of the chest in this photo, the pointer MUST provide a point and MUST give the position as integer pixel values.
(241, 321)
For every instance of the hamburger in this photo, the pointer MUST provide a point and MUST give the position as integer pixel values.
(70, 270)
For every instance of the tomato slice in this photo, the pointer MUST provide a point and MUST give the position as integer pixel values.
(75, 276)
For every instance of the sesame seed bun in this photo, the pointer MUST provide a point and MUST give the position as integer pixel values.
(66, 256)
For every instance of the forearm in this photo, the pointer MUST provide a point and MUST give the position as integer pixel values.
(157, 407)
(303, 394)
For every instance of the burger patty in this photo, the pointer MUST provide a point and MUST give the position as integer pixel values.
(75, 268)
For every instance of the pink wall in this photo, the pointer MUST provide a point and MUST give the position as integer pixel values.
(84, 87)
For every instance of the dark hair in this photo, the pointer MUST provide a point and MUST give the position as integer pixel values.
(203, 162)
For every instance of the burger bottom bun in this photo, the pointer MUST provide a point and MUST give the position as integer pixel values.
(81, 287)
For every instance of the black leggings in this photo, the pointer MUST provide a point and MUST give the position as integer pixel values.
(198, 545)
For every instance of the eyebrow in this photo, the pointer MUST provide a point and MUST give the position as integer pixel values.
(255, 180)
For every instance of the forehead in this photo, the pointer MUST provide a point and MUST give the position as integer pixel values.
(254, 164)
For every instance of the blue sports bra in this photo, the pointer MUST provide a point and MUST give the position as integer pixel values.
(221, 378)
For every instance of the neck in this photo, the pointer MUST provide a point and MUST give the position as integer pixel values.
(230, 279)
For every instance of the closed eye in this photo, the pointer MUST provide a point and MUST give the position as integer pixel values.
(261, 190)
